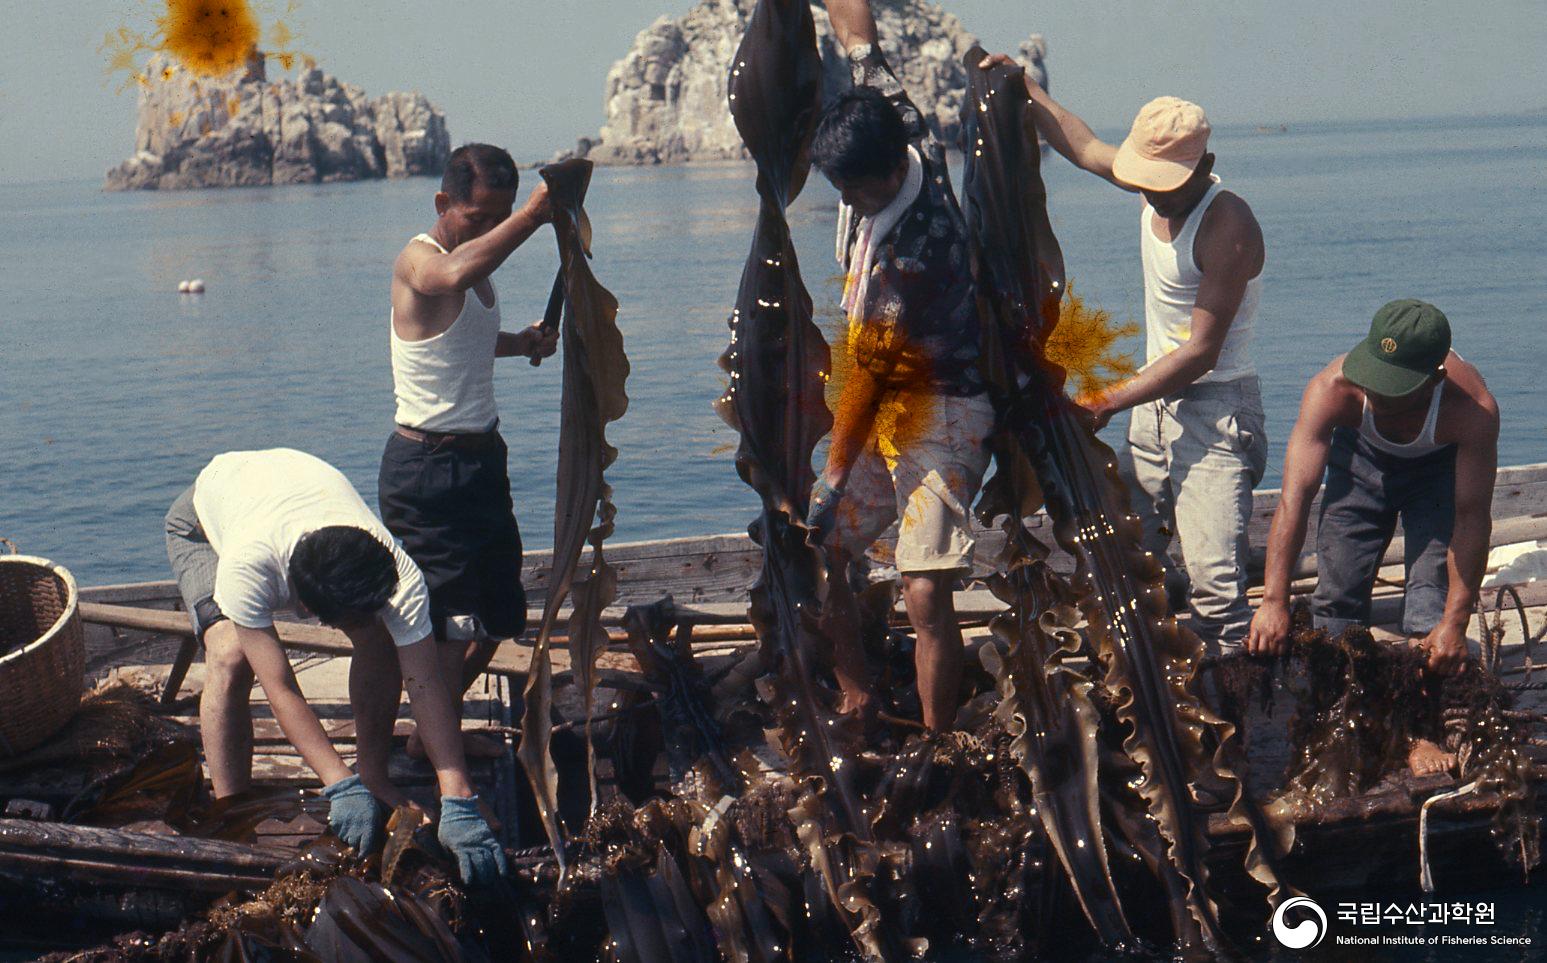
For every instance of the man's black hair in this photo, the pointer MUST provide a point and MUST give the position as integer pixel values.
(342, 574)
(860, 135)
(474, 164)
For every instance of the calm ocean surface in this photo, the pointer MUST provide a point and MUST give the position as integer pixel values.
(116, 390)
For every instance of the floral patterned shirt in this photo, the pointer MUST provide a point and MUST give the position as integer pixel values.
(920, 326)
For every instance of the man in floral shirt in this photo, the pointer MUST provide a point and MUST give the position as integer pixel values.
(911, 415)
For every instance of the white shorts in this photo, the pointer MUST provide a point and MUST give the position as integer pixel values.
(926, 484)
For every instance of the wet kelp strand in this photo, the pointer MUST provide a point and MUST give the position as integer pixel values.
(777, 361)
(1148, 661)
(595, 369)
(1363, 702)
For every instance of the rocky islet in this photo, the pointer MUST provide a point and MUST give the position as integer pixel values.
(666, 102)
(245, 130)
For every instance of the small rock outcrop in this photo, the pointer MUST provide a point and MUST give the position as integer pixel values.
(245, 130)
(665, 100)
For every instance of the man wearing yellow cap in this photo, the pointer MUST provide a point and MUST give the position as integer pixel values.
(1197, 446)
(1403, 428)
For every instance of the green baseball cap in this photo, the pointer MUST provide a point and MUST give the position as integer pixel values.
(1408, 342)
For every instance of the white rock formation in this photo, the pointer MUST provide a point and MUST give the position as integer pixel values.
(666, 99)
(245, 130)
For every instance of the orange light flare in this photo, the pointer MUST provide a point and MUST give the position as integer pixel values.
(874, 364)
(1084, 344)
(205, 38)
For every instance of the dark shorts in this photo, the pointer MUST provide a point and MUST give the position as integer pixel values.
(451, 508)
(193, 561)
(1368, 491)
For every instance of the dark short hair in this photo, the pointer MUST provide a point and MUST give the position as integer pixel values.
(474, 164)
(342, 574)
(859, 135)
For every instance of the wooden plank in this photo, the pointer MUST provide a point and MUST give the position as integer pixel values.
(512, 657)
(691, 570)
(721, 568)
(144, 594)
(266, 732)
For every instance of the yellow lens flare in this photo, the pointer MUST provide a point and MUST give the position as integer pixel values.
(875, 365)
(1084, 344)
(203, 38)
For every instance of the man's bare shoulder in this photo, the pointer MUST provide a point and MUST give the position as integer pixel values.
(1231, 206)
(1481, 410)
(1229, 227)
(1331, 396)
(414, 253)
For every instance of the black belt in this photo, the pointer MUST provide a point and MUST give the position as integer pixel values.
(453, 440)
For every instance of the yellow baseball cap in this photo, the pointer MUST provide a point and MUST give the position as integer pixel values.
(1168, 139)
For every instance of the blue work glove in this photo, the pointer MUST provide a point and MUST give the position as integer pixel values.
(354, 815)
(480, 857)
(823, 513)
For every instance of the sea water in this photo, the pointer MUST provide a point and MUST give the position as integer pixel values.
(117, 390)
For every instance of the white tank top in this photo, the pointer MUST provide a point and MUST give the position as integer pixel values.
(1424, 444)
(1171, 279)
(446, 383)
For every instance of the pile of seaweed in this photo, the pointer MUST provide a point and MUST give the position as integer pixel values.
(738, 857)
(1359, 706)
(402, 905)
(116, 722)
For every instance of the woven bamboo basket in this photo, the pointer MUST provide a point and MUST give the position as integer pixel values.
(42, 651)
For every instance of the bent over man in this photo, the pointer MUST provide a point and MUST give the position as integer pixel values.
(263, 531)
(1403, 429)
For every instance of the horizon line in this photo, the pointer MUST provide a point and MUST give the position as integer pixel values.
(1533, 112)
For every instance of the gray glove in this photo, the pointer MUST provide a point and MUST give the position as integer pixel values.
(480, 857)
(354, 815)
(822, 514)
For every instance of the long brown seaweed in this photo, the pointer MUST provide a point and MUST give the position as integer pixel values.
(1046, 708)
(1148, 661)
(595, 369)
(776, 361)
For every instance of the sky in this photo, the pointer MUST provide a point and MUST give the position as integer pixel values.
(529, 74)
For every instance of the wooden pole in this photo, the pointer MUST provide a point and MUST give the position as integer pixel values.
(112, 856)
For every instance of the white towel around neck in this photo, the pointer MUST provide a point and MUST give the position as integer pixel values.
(872, 231)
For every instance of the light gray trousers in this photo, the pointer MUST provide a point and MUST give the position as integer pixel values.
(1192, 462)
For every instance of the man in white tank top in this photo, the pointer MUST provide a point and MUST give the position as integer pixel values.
(1403, 428)
(1197, 444)
(444, 488)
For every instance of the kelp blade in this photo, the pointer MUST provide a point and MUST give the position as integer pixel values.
(777, 362)
(1149, 662)
(1047, 709)
(595, 370)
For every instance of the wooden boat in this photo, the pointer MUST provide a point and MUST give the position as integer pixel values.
(127, 879)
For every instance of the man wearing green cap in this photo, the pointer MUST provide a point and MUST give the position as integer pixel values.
(1403, 428)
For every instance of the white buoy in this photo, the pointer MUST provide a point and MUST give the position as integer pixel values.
(182, 287)
(196, 286)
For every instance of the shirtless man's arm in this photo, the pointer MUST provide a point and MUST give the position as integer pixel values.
(433, 274)
(428, 286)
(1474, 428)
(1064, 131)
(1328, 402)
(530, 342)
